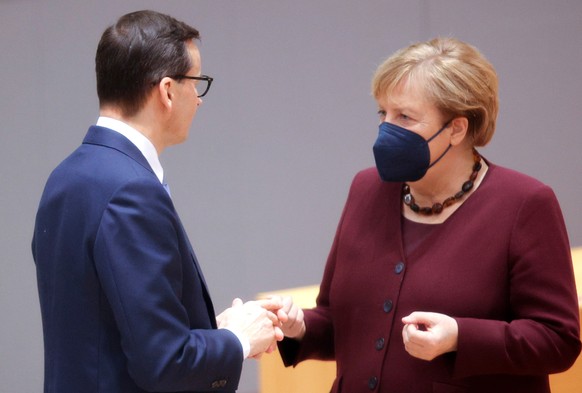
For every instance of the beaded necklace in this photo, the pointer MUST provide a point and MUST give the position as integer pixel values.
(437, 208)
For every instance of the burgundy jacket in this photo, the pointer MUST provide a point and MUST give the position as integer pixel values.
(500, 265)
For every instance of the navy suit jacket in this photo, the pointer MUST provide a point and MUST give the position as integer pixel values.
(124, 304)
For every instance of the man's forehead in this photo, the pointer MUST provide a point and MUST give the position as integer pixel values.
(195, 57)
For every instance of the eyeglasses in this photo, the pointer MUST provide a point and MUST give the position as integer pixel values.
(203, 82)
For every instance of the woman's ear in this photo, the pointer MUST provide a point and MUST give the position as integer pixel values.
(459, 126)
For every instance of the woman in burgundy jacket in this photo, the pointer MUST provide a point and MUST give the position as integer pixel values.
(448, 273)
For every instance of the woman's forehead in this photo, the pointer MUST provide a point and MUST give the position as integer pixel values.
(406, 93)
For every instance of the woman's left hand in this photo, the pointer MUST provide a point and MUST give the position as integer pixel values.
(427, 335)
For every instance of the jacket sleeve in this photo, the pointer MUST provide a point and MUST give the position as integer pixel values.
(139, 262)
(542, 333)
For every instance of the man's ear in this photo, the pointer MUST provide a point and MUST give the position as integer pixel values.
(459, 126)
(164, 92)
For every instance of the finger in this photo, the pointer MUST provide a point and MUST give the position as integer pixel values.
(277, 298)
(413, 336)
(287, 302)
(418, 318)
(408, 333)
(414, 349)
(288, 307)
(273, 318)
(279, 336)
(417, 328)
(271, 304)
(272, 348)
(405, 334)
(410, 319)
(282, 315)
(295, 314)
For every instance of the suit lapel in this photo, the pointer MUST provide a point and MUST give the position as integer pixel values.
(105, 137)
(205, 291)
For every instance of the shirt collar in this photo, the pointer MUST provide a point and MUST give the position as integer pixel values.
(145, 146)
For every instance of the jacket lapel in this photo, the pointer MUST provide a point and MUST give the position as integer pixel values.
(205, 291)
(105, 137)
(108, 138)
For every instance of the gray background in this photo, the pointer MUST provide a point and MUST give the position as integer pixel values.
(261, 182)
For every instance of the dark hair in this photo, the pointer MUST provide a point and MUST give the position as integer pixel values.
(135, 53)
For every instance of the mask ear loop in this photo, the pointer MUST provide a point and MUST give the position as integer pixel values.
(434, 136)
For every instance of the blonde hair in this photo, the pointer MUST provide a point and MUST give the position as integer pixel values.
(454, 75)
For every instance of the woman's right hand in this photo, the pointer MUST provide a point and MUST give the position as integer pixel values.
(291, 318)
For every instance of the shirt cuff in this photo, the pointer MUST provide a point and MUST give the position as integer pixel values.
(244, 342)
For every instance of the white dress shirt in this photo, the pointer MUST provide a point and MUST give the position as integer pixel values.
(145, 146)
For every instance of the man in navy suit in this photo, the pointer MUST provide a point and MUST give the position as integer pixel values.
(125, 307)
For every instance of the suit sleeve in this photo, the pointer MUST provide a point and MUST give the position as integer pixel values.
(542, 334)
(138, 259)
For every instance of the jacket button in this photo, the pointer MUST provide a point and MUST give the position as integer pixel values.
(372, 383)
(379, 344)
(399, 268)
(218, 384)
(387, 306)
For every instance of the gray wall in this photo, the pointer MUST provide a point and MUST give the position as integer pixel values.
(262, 180)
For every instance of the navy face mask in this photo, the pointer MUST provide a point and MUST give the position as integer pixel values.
(402, 155)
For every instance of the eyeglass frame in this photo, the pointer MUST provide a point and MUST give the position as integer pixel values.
(197, 78)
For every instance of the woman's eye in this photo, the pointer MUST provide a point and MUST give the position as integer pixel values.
(404, 117)
(382, 114)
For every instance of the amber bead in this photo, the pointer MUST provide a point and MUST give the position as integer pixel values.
(427, 211)
(448, 202)
(408, 198)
